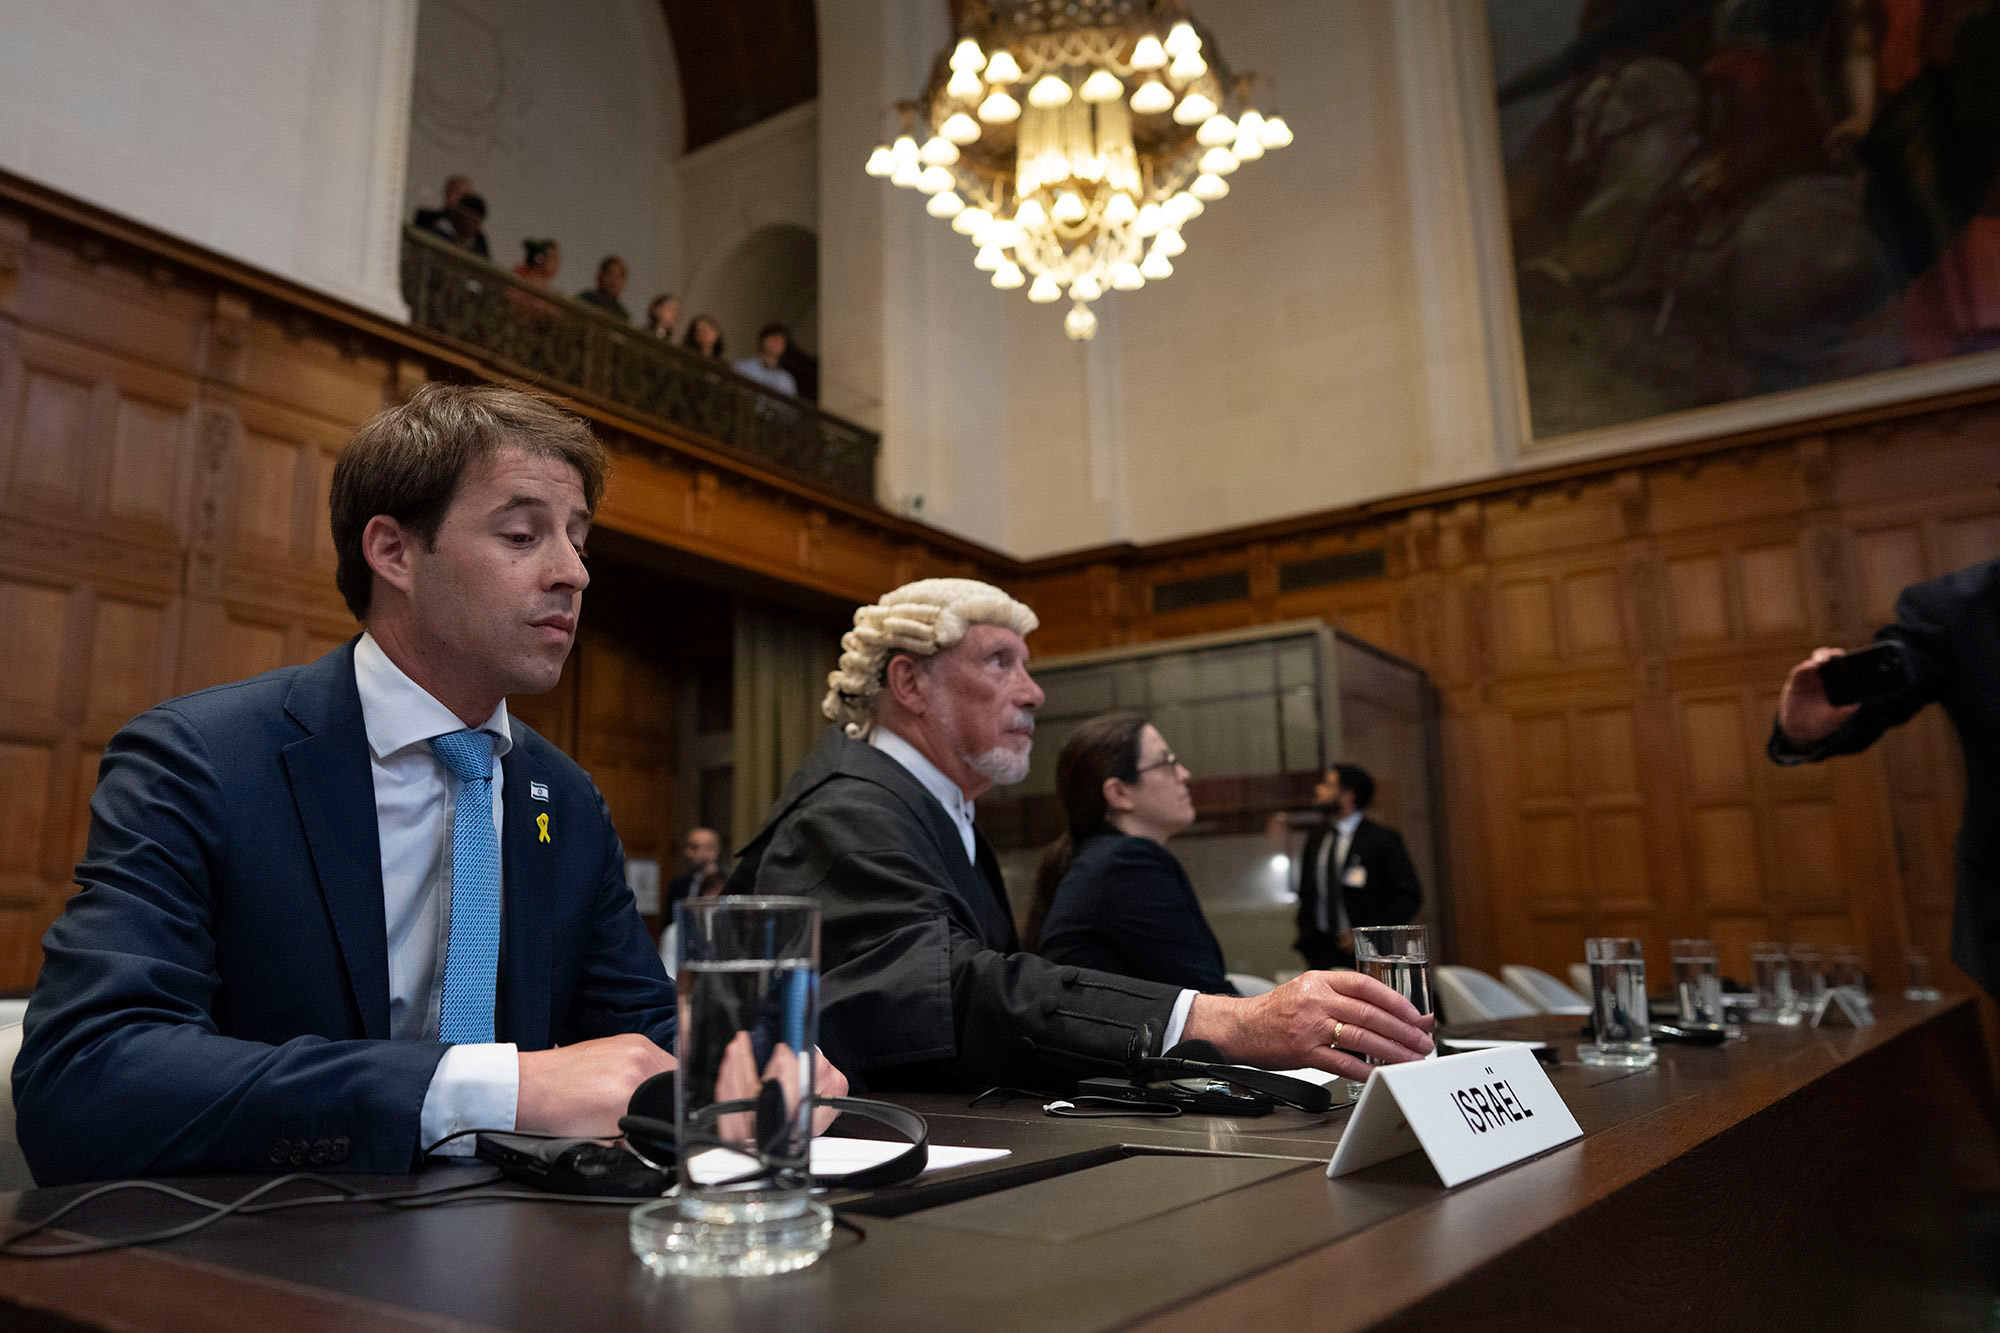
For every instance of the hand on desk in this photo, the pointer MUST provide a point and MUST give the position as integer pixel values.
(583, 1089)
(1292, 1027)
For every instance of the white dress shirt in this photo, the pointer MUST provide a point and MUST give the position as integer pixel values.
(1332, 885)
(957, 805)
(475, 1086)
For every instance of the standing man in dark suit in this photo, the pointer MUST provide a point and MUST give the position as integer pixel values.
(922, 981)
(1949, 632)
(333, 913)
(1353, 872)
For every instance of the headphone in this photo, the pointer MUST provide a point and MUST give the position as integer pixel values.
(1205, 1059)
(648, 1127)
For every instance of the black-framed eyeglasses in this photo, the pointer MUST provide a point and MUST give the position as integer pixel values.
(1169, 760)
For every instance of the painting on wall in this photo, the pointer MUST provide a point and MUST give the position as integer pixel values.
(1714, 201)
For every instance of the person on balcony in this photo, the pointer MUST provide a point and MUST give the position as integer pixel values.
(611, 275)
(772, 340)
(462, 223)
(662, 313)
(541, 259)
(704, 338)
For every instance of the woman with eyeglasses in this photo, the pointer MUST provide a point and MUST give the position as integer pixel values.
(1108, 893)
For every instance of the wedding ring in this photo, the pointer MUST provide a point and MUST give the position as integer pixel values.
(1338, 1028)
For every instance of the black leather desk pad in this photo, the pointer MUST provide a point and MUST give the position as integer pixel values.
(1104, 1197)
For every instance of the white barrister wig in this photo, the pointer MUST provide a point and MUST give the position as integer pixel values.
(921, 618)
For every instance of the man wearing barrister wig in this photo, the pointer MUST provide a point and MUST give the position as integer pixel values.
(923, 984)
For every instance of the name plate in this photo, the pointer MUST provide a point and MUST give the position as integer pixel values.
(1843, 1008)
(1470, 1114)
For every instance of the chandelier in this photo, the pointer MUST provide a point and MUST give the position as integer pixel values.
(1073, 140)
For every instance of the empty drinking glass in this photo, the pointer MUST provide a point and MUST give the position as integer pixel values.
(1618, 1004)
(1773, 972)
(1698, 982)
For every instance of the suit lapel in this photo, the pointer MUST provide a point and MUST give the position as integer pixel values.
(334, 791)
(528, 871)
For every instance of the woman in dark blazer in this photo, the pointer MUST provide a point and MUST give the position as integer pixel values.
(1108, 893)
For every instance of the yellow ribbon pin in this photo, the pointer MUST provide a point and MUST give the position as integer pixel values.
(542, 826)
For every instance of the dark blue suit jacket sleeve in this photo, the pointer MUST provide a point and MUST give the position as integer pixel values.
(122, 1071)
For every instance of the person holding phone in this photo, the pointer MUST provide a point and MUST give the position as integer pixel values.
(1944, 648)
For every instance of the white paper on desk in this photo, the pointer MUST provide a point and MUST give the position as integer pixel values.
(834, 1156)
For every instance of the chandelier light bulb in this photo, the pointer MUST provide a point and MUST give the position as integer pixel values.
(905, 148)
(1194, 109)
(1126, 277)
(946, 205)
(1006, 233)
(970, 220)
(1031, 216)
(1009, 276)
(1252, 124)
(964, 85)
(1080, 323)
(1187, 68)
(1070, 208)
(1169, 242)
(907, 173)
(1044, 290)
(1156, 267)
(1120, 210)
(1086, 288)
(960, 128)
(1247, 148)
(934, 180)
(1182, 39)
(1101, 86)
(1152, 97)
(938, 151)
(1049, 93)
(1149, 54)
(881, 162)
(1189, 205)
(1151, 218)
(999, 109)
(967, 56)
(989, 259)
(1216, 131)
(1002, 68)
(1276, 134)
(1208, 186)
(1218, 161)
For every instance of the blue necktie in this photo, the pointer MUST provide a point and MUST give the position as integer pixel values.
(472, 949)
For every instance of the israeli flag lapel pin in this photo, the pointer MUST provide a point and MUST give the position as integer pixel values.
(539, 790)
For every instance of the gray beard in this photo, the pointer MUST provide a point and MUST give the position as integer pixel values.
(1001, 766)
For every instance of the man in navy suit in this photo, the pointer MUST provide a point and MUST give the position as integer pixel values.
(333, 913)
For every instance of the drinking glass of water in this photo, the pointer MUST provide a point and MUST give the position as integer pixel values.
(1773, 970)
(1845, 970)
(1698, 982)
(748, 978)
(1920, 987)
(1808, 979)
(1400, 958)
(1618, 1004)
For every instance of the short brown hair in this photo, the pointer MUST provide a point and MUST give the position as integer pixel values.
(407, 462)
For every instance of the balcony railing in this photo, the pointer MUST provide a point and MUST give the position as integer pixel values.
(541, 335)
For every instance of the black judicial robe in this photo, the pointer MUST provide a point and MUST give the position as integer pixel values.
(922, 984)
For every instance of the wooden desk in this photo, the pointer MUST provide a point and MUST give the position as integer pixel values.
(1802, 1177)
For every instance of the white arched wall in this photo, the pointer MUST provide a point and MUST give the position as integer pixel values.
(568, 120)
(771, 274)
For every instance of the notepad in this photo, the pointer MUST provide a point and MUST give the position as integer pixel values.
(834, 1156)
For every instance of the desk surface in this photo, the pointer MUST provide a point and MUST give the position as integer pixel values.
(1708, 1185)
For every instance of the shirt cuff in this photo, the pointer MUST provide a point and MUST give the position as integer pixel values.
(1176, 1021)
(475, 1087)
